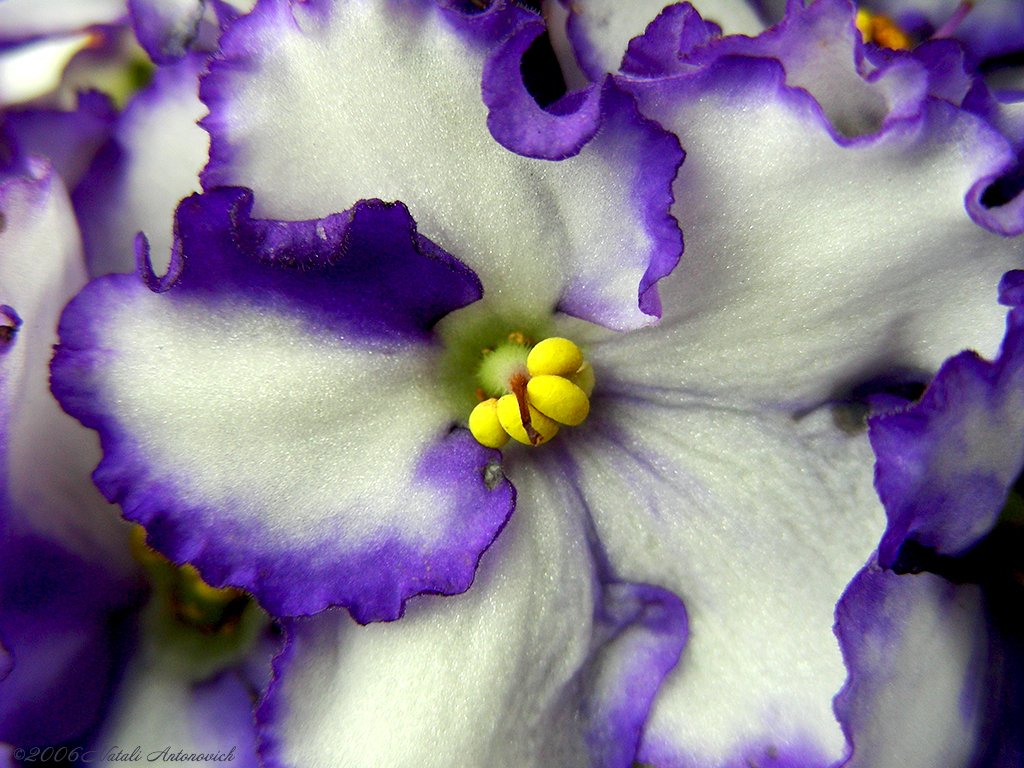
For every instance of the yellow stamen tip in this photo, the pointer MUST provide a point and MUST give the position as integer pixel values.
(559, 399)
(485, 426)
(554, 357)
(512, 423)
(878, 29)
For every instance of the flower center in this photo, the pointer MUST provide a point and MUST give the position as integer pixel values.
(527, 391)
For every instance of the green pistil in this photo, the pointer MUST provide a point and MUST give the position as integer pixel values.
(499, 365)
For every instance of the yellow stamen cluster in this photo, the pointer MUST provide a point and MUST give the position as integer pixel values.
(881, 31)
(553, 390)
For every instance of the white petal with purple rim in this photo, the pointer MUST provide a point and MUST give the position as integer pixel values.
(496, 677)
(603, 28)
(916, 646)
(757, 522)
(377, 100)
(136, 185)
(781, 255)
(49, 456)
(332, 424)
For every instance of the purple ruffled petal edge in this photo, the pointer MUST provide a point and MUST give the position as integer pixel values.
(366, 272)
(242, 43)
(938, 487)
(515, 119)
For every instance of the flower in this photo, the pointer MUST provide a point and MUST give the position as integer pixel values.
(284, 407)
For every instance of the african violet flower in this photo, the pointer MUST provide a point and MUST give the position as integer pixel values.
(285, 407)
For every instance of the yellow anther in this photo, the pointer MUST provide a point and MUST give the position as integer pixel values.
(882, 31)
(554, 357)
(558, 398)
(485, 426)
(512, 422)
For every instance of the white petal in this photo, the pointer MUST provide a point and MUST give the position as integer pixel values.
(373, 102)
(757, 522)
(811, 266)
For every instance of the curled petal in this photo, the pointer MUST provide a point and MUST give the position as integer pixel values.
(946, 463)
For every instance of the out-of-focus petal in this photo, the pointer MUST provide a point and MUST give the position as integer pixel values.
(758, 522)
(25, 19)
(543, 662)
(67, 623)
(166, 28)
(587, 235)
(48, 456)
(916, 646)
(268, 410)
(151, 163)
(160, 713)
(68, 139)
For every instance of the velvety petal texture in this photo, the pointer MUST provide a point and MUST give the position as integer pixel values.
(873, 229)
(587, 235)
(266, 408)
(947, 463)
(544, 662)
(152, 161)
(758, 522)
(601, 30)
(917, 647)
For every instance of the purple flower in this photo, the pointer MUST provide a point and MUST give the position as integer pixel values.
(286, 406)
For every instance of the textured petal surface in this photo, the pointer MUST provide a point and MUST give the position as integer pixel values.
(947, 462)
(152, 162)
(758, 522)
(587, 234)
(811, 275)
(269, 412)
(542, 663)
(916, 647)
(601, 29)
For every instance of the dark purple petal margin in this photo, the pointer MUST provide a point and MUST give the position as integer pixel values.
(365, 273)
(515, 119)
(942, 483)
